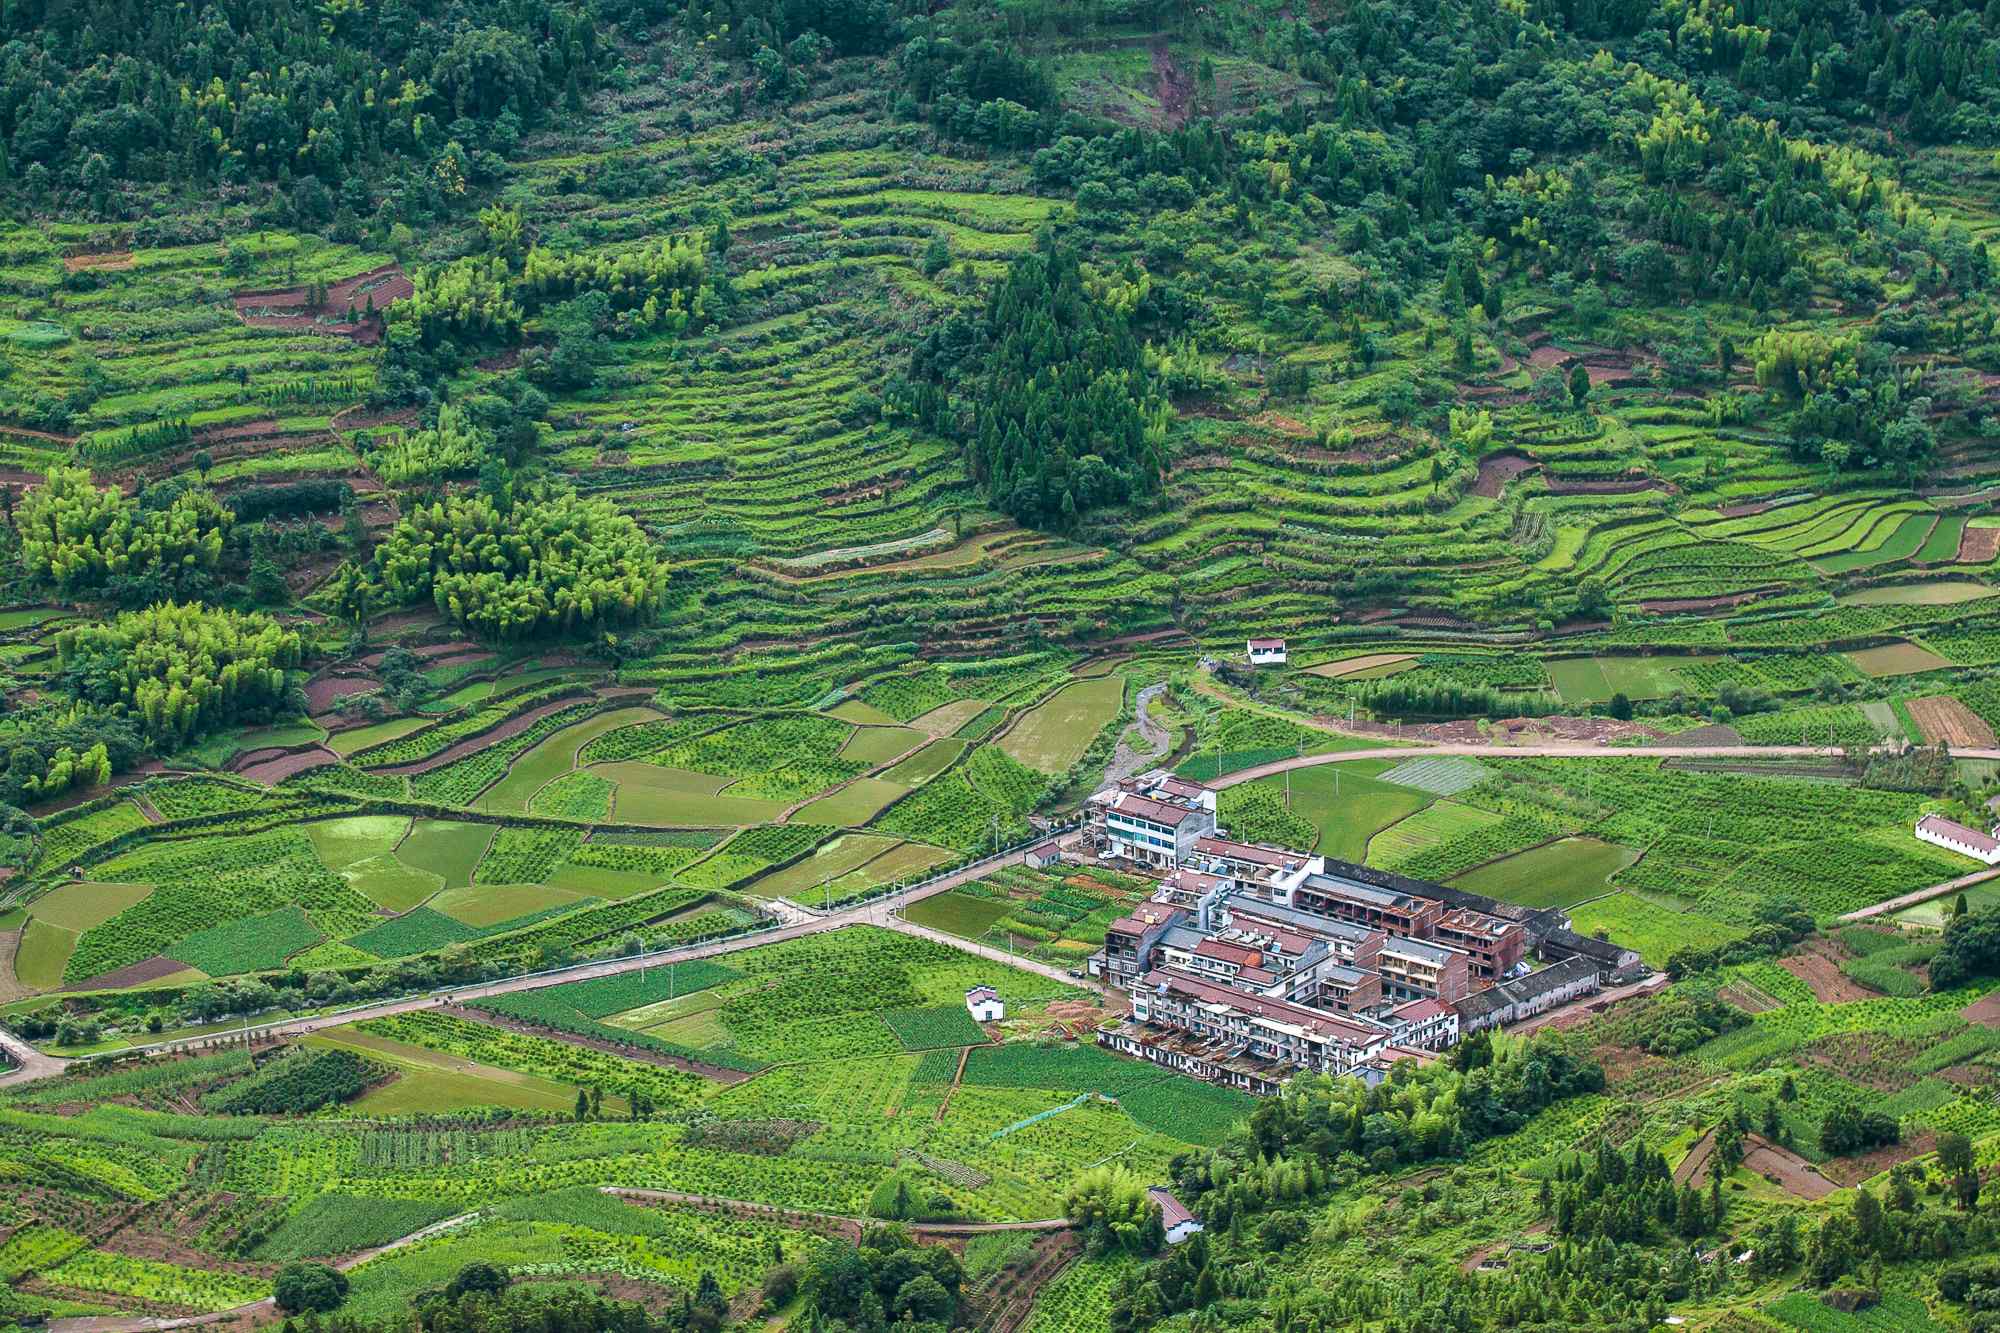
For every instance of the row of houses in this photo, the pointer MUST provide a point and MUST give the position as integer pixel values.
(1250, 962)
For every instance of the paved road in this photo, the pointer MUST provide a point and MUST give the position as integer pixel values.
(1548, 750)
(34, 1065)
(1889, 905)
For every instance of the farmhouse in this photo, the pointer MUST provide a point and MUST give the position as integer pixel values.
(1174, 1215)
(983, 1003)
(1154, 820)
(1524, 997)
(1942, 832)
(1042, 855)
(1266, 652)
(1616, 964)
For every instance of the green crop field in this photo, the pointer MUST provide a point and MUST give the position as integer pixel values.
(489, 487)
(1560, 874)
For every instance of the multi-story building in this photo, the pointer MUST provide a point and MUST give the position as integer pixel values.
(1428, 1025)
(1254, 870)
(1524, 997)
(1129, 942)
(1231, 1024)
(1154, 820)
(1347, 899)
(1495, 947)
(1420, 970)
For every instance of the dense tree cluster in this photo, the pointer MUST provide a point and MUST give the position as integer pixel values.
(329, 99)
(1971, 950)
(512, 568)
(1631, 1198)
(179, 670)
(886, 1279)
(1109, 1204)
(79, 539)
(1321, 1131)
(660, 284)
(296, 1083)
(452, 446)
(1063, 416)
(57, 749)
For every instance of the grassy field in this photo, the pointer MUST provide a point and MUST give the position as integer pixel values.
(1347, 806)
(648, 794)
(1054, 734)
(554, 757)
(78, 906)
(446, 848)
(1560, 874)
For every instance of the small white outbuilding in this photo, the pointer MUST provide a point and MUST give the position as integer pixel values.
(983, 1003)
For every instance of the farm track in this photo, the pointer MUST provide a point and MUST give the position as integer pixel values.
(744, 1207)
(33, 1065)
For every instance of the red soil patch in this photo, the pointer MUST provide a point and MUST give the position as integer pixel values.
(286, 308)
(1529, 730)
(1943, 718)
(1548, 356)
(276, 769)
(1854, 1170)
(1978, 545)
(326, 691)
(103, 259)
(1683, 605)
(1985, 1012)
(1496, 470)
(132, 974)
(1829, 984)
(428, 652)
(359, 418)
(1171, 85)
(1785, 1168)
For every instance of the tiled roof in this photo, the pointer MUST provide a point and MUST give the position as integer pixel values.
(1172, 1211)
(1941, 827)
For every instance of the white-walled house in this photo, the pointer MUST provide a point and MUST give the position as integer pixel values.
(983, 1003)
(1942, 832)
(1266, 652)
(1174, 1215)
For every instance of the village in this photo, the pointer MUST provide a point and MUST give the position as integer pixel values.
(1252, 963)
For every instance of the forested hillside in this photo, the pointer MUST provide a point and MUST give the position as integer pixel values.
(492, 483)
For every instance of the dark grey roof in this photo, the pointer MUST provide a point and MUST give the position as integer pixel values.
(1535, 984)
(1605, 952)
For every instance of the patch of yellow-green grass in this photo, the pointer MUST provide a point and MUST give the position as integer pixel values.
(342, 842)
(829, 862)
(947, 718)
(926, 763)
(427, 1081)
(385, 881)
(345, 743)
(649, 794)
(1054, 734)
(555, 757)
(490, 904)
(598, 882)
(853, 710)
(447, 848)
(85, 903)
(43, 954)
(878, 745)
(855, 804)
